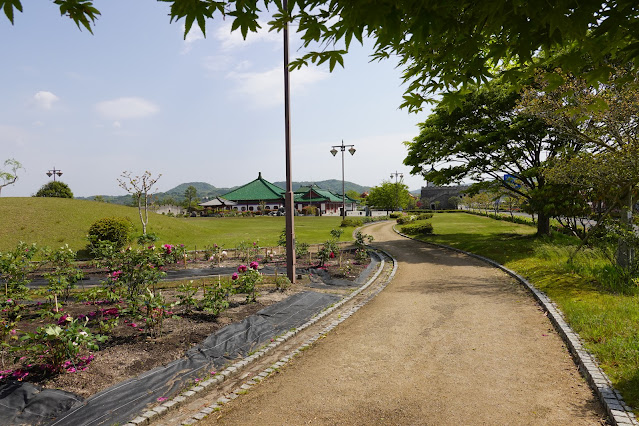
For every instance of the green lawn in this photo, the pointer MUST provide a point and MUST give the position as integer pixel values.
(54, 222)
(607, 322)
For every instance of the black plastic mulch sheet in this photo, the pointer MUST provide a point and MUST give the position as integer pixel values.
(21, 403)
(28, 404)
(178, 274)
(320, 278)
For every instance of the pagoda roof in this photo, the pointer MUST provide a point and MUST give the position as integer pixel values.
(314, 193)
(218, 202)
(257, 190)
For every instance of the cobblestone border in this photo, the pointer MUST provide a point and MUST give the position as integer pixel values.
(618, 412)
(234, 369)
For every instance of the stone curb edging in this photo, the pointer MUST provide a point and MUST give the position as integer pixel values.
(618, 411)
(234, 369)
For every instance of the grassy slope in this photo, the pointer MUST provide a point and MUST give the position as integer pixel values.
(55, 222)
(607, 322)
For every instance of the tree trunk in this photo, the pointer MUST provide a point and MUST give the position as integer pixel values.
(625, 251)
(543, 224)
(141, 218)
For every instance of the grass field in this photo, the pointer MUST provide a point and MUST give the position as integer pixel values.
(55, 221)
(607, 322)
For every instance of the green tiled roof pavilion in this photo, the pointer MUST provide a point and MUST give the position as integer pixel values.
(258, 190)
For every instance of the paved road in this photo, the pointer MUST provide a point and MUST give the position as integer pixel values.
(450, 341)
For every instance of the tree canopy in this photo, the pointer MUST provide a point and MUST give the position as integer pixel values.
(190, 195)
(389, 196)
(602, 120)
(488, 139)
(441, 46)
(55, 189)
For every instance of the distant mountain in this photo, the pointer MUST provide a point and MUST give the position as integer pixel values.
(203, 190)
(331, 184)
(206, 190)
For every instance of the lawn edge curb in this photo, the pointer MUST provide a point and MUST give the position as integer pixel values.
(618, 412)
(154, 413)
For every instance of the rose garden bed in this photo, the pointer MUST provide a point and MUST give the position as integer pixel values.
(92, 341)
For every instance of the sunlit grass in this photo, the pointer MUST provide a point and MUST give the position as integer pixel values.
(54, 222)
(607, 322)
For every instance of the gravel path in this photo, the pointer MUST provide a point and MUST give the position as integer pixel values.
(449, 341)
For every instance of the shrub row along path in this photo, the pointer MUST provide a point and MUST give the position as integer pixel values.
(451, 340)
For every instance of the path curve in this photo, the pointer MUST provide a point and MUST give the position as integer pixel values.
(450, 341)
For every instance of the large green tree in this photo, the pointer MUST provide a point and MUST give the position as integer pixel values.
(55, 189)
(488, 140)
(389, 196)
(603, 120)
(441, 46)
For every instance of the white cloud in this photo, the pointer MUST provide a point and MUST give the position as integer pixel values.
(126, 108)
(44, 99)
(117, 124)
(266, 89)
(233, 40)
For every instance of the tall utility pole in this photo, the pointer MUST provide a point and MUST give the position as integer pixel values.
(397, 175)
(334, 151)
(289, 207)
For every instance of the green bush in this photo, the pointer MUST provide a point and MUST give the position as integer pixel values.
(405, 219)
(310, 211)
(149, 238)
(116, 230)
(395, 215)
(425, 228)
(301, 249)
(55, 189)
(353, 222)
(424, 216)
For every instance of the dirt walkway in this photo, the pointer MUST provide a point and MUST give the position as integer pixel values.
(449, 341)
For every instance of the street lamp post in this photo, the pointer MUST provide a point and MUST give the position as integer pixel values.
(54, 173)
(289, 196)
(397, 175)
(351, 149)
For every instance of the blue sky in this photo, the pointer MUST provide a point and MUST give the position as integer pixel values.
(136, 96)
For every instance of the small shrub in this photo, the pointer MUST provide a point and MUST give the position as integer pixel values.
(216, 298)
(329, 250)
(405, 219)
(52, 345)
(336, 233)
(309, 211)
(282, 282)
(247, 279)
(418, 228)
(149, 238)
(395, 215)
(301, 249)
(351, 222)
(186, 296)
(424, 216)
(114, 229)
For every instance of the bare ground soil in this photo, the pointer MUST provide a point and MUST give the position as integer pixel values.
(449, 341)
